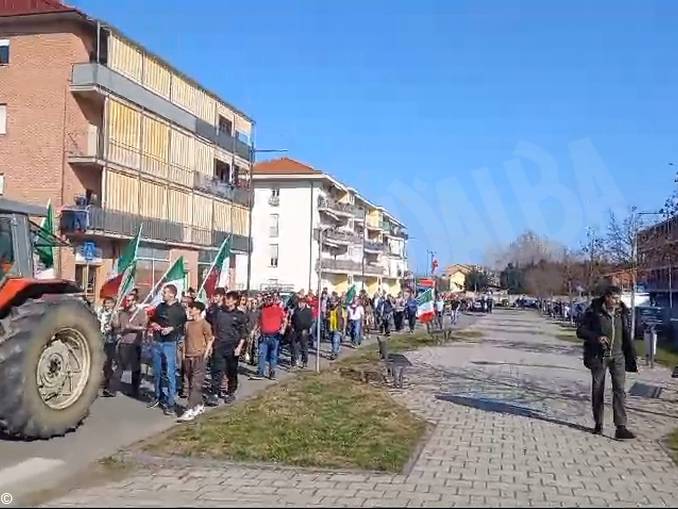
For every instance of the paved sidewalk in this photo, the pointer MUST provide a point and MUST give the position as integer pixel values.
(511, 415)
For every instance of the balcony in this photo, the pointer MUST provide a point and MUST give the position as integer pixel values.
(336, 208)
(393, 230)
(374, 269)
(342, 266)
(217, 187)
(373, 247)
(97, 79)
(86, 147)
(341, 237)
(96, 221)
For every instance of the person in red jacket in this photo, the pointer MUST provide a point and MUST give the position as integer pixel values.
(272, 324)
(314, 304)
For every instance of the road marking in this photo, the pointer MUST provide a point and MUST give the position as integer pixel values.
(27, 469)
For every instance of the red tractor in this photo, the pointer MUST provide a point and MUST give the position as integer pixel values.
(51, 349)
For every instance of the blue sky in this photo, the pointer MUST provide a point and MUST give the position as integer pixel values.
(472, 120)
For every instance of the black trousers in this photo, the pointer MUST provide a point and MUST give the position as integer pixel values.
(300, 346)
(224, 362)
(616, 366)
(111, 352)
(128, 357)
(386, 325)
(398, 320)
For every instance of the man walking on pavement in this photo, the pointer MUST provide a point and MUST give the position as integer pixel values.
(197, 348)
(411, 312)
(356, 315)
(129, 325)
(230, 333)
(167, 324)
(302, 321)
(272, 324)
(608, 345)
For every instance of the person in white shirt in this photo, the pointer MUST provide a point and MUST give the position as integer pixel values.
(440, 307)
(356, 313)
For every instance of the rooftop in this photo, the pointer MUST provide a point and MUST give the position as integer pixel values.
(284, 166)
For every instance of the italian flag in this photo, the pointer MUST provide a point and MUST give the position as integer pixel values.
(116, 285)
(425, 311)
(176, 275)
(44, 245)
(350, 295)
(217, 275)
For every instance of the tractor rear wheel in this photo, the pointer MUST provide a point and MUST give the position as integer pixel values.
(51, 358)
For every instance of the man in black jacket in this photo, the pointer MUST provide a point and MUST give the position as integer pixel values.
(608, 344)
(229, 326)
(167, 323)
(302, 321)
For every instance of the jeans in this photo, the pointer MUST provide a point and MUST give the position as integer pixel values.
(166, 379)
(455, 315)
(412, 321)
(356, 332)
(268, 352)
(336, 342)
(616, 365)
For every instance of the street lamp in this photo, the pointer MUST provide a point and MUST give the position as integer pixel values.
(253, 153)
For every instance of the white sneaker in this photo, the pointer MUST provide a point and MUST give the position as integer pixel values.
(187, 416)
(199, 410)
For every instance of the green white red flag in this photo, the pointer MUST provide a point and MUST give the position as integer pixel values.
(116, 284)
(217, 274)
(425, 309)
(175, 275)
(45, 244)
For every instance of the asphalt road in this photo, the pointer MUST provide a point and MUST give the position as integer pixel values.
(113, 424)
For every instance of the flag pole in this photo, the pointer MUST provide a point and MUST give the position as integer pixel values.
(214, 262)
(130, 270)
(152, 292)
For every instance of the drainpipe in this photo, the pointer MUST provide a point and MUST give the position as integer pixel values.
(249, 213)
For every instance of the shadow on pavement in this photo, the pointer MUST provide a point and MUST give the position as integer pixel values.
(534, 347)
(549, 366)
(490, 405)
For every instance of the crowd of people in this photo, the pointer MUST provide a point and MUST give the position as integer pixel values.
(195, 348)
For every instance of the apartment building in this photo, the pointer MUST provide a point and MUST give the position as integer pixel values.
(658, 262)
(116, 138)
(302, 217)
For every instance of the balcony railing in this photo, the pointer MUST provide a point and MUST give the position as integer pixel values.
(84, 145)
(372, 246)
(342, 236)
(218, 187)
(343, 265)
(373, 268)
(344, 209)
(97, 77)
(93, 220)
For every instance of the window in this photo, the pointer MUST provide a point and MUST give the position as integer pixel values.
(6, 246)
(86, 277)
(274, 255)
(241, 136)
(3, 119)
(222, 171)
(4, 52)
(273, 225)
(225, 125)
(151, 266)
